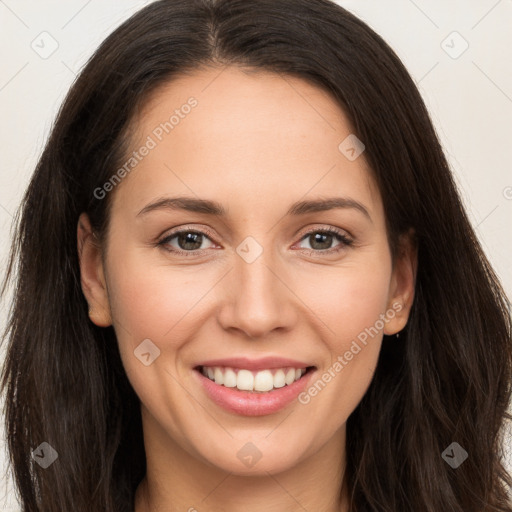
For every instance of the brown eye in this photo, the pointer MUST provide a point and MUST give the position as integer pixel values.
(321, 240)
(184, 241)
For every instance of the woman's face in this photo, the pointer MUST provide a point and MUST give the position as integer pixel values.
(262, 279)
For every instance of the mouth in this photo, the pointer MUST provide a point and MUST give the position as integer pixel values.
(258, 391)
(254, 381)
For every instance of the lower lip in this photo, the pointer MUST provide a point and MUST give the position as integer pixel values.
(253, 404)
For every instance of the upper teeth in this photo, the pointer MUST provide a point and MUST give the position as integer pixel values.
(246, 380)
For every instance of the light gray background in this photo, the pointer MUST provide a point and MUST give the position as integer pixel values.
(469, 97)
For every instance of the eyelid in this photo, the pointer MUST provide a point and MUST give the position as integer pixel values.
(328, 228)
(208, 232)
(162, 239)
(346, 239)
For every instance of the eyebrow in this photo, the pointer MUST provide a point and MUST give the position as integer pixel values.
(214, 208)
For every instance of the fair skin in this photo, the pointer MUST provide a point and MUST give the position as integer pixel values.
(255, 143)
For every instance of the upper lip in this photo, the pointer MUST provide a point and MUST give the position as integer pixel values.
(264, 363)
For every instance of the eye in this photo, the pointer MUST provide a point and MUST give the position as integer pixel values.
(185, 241)
(320, 240)
(190, 242)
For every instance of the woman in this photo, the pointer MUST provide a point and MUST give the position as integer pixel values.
(173, 343)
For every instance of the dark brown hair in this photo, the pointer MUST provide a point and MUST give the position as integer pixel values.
(446, 379)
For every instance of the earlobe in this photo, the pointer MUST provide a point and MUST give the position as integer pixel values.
(403, 282)
(92, 275)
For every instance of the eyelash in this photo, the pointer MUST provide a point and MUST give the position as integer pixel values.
(345, 241)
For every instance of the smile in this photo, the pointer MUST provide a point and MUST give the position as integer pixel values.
(258, 381)
(253, 392)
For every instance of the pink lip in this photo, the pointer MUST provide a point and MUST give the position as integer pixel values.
(253, 404)
(265, 363)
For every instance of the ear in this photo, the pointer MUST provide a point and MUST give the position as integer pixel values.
(403, 282)
(92, 276)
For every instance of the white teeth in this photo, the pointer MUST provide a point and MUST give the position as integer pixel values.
(264, 381)
(246, 380)
(218, 375)
(279, 380)
(230, 378)
(290, 376)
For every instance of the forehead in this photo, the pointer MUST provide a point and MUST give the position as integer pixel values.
(245, 107)
(249, 131)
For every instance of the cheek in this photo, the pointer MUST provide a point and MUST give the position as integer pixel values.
(361, 301)
(352, 309)
(346, 300)
(154, 302)
(150, 301)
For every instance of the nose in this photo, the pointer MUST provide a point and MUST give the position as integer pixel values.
(257, 299)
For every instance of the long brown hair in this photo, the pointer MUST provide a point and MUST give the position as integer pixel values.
(446, 379)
